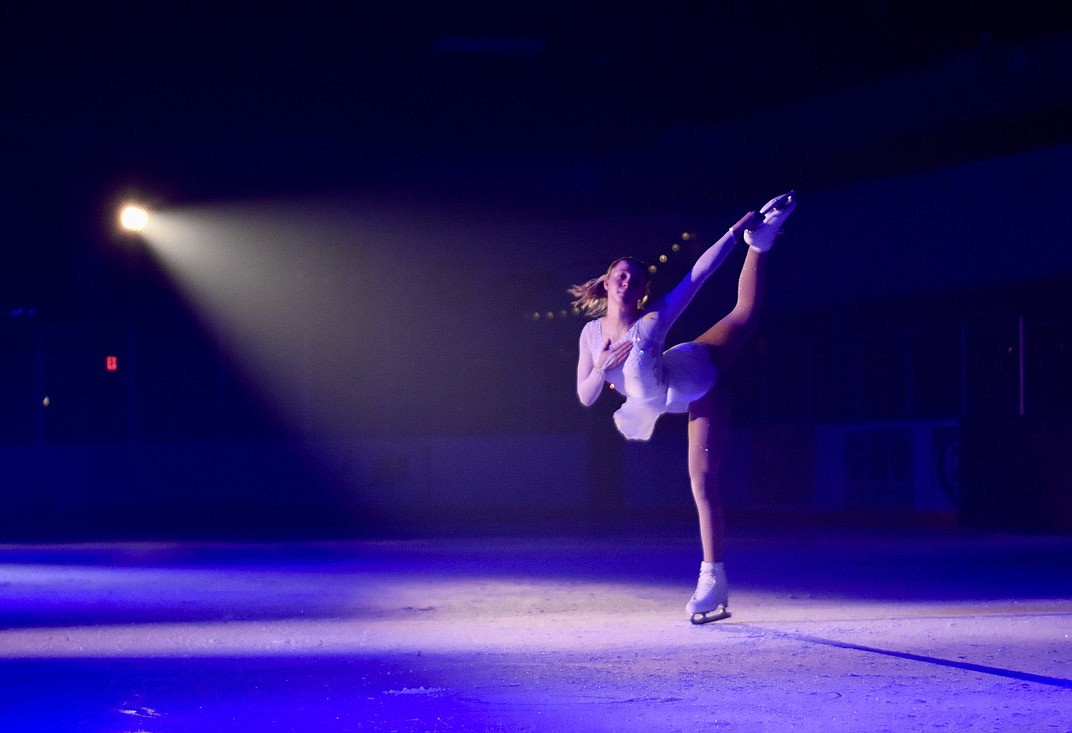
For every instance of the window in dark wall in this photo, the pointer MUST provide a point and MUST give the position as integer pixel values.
(178, 386)
(991, 369)
(936, 371)
(1048, 365)
(19, 392)
(86, 402)
(833, 374)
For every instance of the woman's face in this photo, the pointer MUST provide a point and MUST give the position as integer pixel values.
(626, 283)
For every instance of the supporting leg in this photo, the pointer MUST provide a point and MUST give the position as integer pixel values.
(708, 431)
(709, 416)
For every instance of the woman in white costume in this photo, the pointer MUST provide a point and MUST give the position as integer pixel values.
(623, 345)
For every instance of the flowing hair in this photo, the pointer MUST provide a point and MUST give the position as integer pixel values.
(590, 297)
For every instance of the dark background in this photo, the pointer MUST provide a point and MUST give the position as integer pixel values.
(591, 108)
(505, 152)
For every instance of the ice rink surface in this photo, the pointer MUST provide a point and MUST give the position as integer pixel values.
(832, 630)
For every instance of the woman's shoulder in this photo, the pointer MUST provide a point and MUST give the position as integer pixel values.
(653, 320)
(653, 315)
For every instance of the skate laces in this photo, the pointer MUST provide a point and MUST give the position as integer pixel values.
(705, 583)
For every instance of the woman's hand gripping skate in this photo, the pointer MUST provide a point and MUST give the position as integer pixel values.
(774, 214)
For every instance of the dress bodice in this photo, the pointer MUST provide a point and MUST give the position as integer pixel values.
(653, 381)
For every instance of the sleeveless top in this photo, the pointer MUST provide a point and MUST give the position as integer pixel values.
(653, 381)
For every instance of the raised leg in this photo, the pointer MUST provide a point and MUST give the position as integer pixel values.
(727, 337)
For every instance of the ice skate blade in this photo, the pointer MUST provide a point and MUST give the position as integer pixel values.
(708, 616)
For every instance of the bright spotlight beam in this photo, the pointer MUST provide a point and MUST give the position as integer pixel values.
(133, 218)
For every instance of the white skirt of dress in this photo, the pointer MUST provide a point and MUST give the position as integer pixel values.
(689, 376)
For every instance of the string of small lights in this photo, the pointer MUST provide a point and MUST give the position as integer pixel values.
(668, 256)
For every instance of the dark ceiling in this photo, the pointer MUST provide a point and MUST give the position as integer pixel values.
(203, 101)
(433, 76)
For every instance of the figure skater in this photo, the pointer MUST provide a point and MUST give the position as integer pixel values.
(623, 345)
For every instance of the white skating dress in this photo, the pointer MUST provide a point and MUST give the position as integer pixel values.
(653, 381)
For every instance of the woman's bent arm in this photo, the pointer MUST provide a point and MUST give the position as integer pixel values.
(589, 379)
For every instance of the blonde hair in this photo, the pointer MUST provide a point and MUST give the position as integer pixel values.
(591, 297)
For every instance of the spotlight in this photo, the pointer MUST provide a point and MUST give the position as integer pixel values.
(133, 218)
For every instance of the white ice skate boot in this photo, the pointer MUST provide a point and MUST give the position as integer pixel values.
(774, 213)
(710, 602)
